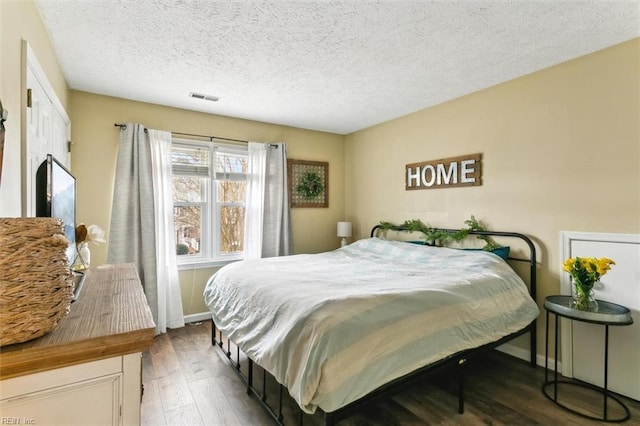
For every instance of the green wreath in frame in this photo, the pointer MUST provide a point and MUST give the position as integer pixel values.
(310, 185)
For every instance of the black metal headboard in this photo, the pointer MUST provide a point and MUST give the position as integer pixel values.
(532, 249)
(531, 260)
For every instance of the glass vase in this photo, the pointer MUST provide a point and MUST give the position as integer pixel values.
(83, 260)
(583, 299)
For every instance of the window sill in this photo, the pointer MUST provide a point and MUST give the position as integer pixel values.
(204, 264)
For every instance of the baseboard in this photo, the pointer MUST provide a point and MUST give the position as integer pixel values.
(203, 316)
(523, 354)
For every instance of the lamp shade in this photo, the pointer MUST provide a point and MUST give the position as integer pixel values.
(344, 229)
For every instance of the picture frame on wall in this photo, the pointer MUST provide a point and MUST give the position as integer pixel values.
(308, 183)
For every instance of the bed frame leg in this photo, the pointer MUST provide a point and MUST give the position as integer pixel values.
(461, 368)
(214, 332)
(280, 414)
(264, 385)
(533, 331)
(249, 376)
(328, 419)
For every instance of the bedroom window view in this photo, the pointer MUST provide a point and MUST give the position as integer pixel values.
(231, 182)
(209, 184)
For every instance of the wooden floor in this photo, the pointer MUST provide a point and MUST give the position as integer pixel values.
(188, 382)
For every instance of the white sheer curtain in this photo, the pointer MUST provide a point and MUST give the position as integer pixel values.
(170, 313)
(254, 209)
(141, 230)
(267, 219)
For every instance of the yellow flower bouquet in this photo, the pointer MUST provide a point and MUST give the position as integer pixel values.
(585, 272)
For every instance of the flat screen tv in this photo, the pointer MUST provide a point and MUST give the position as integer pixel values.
(56, 197)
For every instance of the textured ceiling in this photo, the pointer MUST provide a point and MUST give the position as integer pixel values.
(332, 66)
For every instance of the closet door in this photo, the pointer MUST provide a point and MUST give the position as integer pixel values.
(583, 343)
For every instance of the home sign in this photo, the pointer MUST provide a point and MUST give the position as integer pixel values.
(465, 170)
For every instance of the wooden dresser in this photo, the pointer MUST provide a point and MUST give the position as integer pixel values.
(88, 369)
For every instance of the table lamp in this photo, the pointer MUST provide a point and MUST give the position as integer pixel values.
(344, 231)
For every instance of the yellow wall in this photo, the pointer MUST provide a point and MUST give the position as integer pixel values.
(561, 151)
(20, 20)
(94, 157)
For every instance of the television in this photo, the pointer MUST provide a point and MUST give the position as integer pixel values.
(56, 197)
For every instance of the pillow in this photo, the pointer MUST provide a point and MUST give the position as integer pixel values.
(503, 252)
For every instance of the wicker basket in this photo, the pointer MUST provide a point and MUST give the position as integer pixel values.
(35, 279)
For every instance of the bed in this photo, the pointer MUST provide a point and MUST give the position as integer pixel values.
(339, 328)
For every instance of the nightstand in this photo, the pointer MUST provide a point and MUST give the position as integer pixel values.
(607, 314)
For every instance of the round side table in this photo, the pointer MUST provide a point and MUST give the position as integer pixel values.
(607, 314)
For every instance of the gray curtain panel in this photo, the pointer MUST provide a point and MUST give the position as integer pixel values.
(132, 237)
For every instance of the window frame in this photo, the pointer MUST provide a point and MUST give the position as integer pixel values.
(209, 255)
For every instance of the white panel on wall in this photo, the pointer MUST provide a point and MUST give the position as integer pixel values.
(583, 343)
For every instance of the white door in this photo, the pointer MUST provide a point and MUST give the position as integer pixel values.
(583, 343)
(48, 130)
(38, 132)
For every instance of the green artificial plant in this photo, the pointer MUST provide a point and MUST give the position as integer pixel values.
(441, 237)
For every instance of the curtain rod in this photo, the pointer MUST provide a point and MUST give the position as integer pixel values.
(211, 138)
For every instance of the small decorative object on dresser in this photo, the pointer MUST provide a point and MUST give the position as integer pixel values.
(85, 234)
(585, 273)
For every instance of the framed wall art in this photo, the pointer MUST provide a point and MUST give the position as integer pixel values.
(308, 183)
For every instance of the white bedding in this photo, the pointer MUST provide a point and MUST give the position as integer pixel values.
(334, 326)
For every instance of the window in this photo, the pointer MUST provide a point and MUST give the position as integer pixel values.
(209, 185)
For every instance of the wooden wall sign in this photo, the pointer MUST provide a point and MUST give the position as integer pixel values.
(465, 170)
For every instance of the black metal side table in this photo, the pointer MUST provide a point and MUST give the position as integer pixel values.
(607, 314)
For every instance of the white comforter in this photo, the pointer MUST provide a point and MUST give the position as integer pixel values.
(334, 326)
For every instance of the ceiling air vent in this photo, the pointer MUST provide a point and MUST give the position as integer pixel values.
(204, 97)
